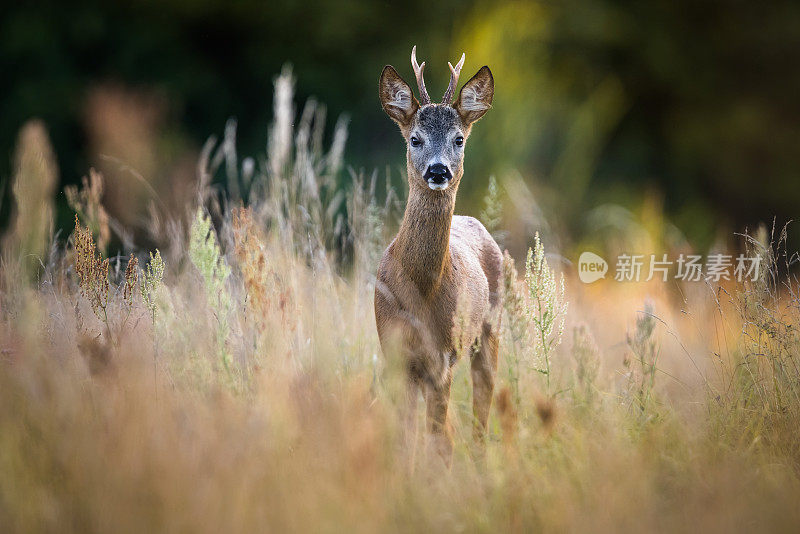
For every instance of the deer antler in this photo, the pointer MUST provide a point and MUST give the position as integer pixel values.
(454, 73)
(423, 93)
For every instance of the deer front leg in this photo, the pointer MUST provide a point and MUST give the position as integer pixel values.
(409, 419)
(437, 397)
(484, 368)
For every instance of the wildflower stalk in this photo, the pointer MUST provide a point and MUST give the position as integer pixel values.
(206, 256)
(35, 176)
(492, 213)
(152, 277)
(535, 311)
(151, 282)
(586, 357)
(129, 287)
(92, 273)
(87, 203)
(643, 345)
(547, 306)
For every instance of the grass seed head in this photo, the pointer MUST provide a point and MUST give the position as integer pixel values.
(92, 270)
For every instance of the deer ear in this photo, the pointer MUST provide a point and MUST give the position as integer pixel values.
(396, 97)
(475, 97)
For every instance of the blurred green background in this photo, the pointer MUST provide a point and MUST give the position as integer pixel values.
(688, 108)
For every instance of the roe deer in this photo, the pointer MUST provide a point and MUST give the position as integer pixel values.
(437, 293)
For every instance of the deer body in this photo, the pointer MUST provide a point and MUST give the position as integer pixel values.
(437, 294)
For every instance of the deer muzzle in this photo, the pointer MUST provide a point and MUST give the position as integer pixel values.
(438, 176)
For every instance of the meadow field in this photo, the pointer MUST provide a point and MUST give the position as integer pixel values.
(223, 374)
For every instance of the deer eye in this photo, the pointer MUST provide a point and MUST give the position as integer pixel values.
(459, 141)
(415, 141)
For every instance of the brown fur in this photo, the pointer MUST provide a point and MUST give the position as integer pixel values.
(437, 291)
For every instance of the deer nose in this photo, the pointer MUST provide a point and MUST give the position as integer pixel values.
(438, 173)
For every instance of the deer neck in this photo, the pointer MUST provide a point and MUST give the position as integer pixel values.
(423, 240)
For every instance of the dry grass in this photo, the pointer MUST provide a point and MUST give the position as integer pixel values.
(245, 391)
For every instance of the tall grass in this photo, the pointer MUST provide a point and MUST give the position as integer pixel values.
(270, 408)
(35, 177)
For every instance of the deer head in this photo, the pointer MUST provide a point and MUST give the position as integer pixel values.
(435, 134)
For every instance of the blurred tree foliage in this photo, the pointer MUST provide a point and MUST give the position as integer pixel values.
(210, 60)
(596, 100)
(599, 99)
